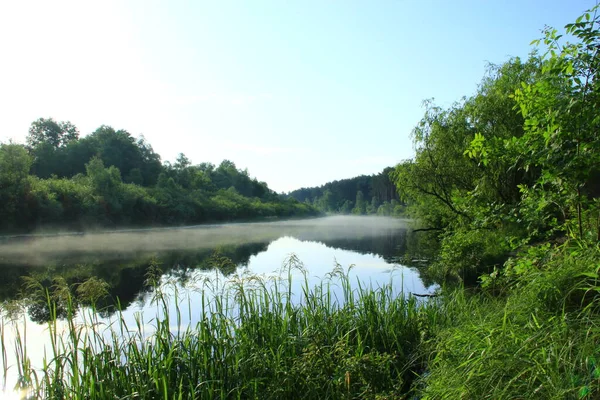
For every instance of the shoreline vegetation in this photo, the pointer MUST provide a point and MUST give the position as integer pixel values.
(504, 187)
(351, 196)
(108, 180)
(255, 338)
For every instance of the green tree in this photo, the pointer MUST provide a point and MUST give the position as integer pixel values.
(465, 173)
(385, 209)
(48, 131)
(373, 206)
(15, 163)
(380, 186)
(434, 180)
(346, 207)
(327, 202)
(116, 148)
(360, 207)
(151, 165)
(47, 141)
(561, 131)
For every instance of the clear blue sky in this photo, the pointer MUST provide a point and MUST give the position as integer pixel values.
(299, 92)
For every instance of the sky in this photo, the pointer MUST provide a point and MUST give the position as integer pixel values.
(298, 92)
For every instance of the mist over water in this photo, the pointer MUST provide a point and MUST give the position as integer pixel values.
(37, 250)
(365, 248)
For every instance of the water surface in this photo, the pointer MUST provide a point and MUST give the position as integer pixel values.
(368, 248)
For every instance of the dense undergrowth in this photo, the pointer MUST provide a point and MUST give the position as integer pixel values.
(531, 330)
(252, 340)
(538, 338)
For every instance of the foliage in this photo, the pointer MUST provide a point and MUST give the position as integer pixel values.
(510, 173)
(341, 196)
(110, 179)
(250, 341)
(462, 175)
(539, 340)
(14, 169)
(49, 132)
(561, 127)
(465, 255)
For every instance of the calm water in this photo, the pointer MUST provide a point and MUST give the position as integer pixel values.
(368, 247)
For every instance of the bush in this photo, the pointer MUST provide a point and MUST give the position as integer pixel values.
(466, 254)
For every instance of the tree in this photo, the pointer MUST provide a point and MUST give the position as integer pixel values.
(46, 142)
(116, 148)
(182, 162)
(14, 170)
(151, 165)
(106, 180)
(327, 202)
(346, 207)
(48, 131)
(380, 186)
(439, 171)
(463, 171)
(360, 207)
(562, 128)
(373, 206)
(14, 164)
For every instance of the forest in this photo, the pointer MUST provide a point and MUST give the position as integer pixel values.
(351, 196)
(59, 180)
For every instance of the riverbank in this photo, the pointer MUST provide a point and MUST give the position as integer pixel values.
(530, 331)
(256, 339)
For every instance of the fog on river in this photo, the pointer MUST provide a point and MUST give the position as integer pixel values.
(372, 245)
(40, 249)
(369, 249)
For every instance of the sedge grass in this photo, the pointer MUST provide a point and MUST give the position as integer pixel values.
(258, 338)
(540, 340)
(254, 338)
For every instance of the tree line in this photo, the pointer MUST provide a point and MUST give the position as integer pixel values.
(361, 195)
(109, 178)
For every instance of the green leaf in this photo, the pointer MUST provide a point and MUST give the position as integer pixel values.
(569, 69)
(589, 274)
(584, 391)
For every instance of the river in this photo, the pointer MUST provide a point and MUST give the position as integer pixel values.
(369, 249)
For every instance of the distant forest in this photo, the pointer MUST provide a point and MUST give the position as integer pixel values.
(109, 179)
(361, 195)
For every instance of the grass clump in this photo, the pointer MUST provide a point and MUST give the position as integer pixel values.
(539, 339)
(254, 338)
(530, 330)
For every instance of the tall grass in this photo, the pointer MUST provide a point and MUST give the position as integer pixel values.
(533, 333)
(540, 339)
(255, 338)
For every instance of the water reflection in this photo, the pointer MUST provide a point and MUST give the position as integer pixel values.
(186, 257)
(123, 259)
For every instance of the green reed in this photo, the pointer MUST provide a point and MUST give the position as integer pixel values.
(540, 339)
(274, 338)
(255, 338)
